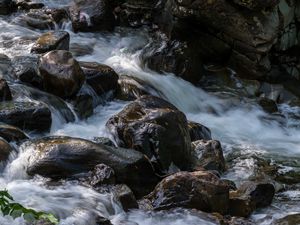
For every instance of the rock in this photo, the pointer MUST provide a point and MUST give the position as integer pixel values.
(81, 49)
(5, 150)
(61, 73)
(157, 129)
(200, 190)
(5, 94)
(45, 18)
(102, 174)
(100, 77)
(53, 40)
(131, 88)
(175, 57)
(31, 116)
(104, 141)
(83, 105)
(61, 157)
(42, 222)
(198, 131)
(92, 15)
(103, 221)
(11, 133)
(27, 4)
(209, 155)
(257, 4)
(6, 7)
(26, 70)
(292, 219)
(125, 196)
(268, 105)
(6, 69)
(250, 196)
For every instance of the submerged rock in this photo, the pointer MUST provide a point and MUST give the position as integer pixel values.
(6, 68)
(33, 116)
(5, 94)
(11, 133)
(209, 155)
(249, 197)
(92, 15)
(61, 157)
(61, 73)
(292, 219)
(125, 196)
(83, 105)
(131, 88)
(53, 40)
(157, 129)
(200, 190)
(100, 77)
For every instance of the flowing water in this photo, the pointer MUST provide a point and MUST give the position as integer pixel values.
(244, 130)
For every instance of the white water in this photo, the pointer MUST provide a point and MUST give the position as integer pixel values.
(238, 127)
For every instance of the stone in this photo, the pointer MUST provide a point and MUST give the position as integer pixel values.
(198, 131)
(5, 94)
(11, 133)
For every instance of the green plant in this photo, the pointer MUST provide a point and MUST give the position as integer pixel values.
(9, 207)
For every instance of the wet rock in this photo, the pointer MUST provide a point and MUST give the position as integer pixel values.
(6, 7)
(11, 133)
(103, 221)
(5, 94)
(175, 57)
(249, 197)
(53, 40)
(104, 141)
(200, 190)
(102, 174)
(61, 73)
(268, 105)
(131, 88)
(27, 4)
(6, 69)
(83, 105)
(92, 15)
(26, 115)
(157, 129)
(5, 150)
(81, 49)
(61, 157)
(45, 18)
(292, 219)
(100, 77)
(257, 4)
(198, 131)
(209, 155)
(125, 196)
(26, 70)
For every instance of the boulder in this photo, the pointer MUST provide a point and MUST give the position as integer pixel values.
(200, 190)
(5, 150)
(11, 133)
(53, 40)
(5, 94)
(209, 155)
(61, 157)
(83, 105)
(92, 15)
(176, 57)
(6, 7)
(104, 141)
(26, 70)
(61, 73)
(101, 78)
(292, 219)
(33, 116)
(101, 174)
(268, 105)
(157, 129)
(250, 196)
(198, 131)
